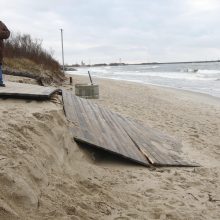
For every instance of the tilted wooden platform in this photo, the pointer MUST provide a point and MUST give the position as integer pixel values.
(27, 91)
(101, 128)
(160, 149)
(94, 126)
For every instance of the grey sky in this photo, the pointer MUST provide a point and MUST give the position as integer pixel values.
(134, 30)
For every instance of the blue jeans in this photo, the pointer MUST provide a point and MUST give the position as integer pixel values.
(1, 79)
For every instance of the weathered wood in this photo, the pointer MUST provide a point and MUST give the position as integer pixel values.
(26, 91)
(160, 149)
(107, 130)
(96, 130)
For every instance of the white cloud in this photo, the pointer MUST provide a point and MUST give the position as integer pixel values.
(203, 5)
(136, 31)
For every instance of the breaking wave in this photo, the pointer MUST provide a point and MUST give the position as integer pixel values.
(203, 78)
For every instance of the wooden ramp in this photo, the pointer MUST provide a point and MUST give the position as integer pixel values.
(95, 126)
(109, 131)
(26, 91)
(160, 149)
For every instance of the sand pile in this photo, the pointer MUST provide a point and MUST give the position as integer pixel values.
(45, 175)
(34, 143)
(24, 67)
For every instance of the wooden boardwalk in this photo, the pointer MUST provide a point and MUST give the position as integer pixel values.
(95, 126)
(101, 128)
(160, 149)
(26, 91)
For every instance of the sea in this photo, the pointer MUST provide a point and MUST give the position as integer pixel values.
(196, 77)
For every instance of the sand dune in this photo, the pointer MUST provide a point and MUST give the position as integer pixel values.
(45, 175)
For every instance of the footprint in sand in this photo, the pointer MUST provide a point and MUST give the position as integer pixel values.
(150, 190)
(121, 218)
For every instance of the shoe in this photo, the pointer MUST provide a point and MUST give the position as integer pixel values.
(2, 85)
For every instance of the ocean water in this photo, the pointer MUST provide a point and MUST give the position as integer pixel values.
(197, 77)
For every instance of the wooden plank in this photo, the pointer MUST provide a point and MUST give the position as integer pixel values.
(107, 134)
(103, 132)
(152, 145)
(26, 91)
(141, 141)
(97, 128)
(118, 136)
(83, 126)
(70, 117)
(115, 136)
(100, 132)
(144, 143)
(113, 121)
(107, 130)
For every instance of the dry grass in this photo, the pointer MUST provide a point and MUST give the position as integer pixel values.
(23, 53)
(30, 68)
(22, 64)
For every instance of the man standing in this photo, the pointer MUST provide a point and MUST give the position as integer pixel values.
(4, 34)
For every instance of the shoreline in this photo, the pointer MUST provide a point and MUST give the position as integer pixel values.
(168, 88)
(147, 84)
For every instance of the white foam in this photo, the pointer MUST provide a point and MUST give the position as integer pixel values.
(204, 80)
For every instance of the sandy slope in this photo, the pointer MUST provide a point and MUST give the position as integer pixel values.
(45, 175)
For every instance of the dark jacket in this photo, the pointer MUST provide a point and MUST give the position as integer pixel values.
(4, 34)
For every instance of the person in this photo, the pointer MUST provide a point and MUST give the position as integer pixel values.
(4, 34)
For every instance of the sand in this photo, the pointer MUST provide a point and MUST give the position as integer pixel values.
(44, 174)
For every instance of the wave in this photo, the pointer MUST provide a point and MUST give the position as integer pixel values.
(208, 74)
(204, 81)
(209, 71)
(148, 67)
(206, 78)
(201, 75)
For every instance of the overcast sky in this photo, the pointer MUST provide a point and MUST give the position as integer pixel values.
(134, 30)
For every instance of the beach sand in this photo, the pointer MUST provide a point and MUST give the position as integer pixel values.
(44, 174)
